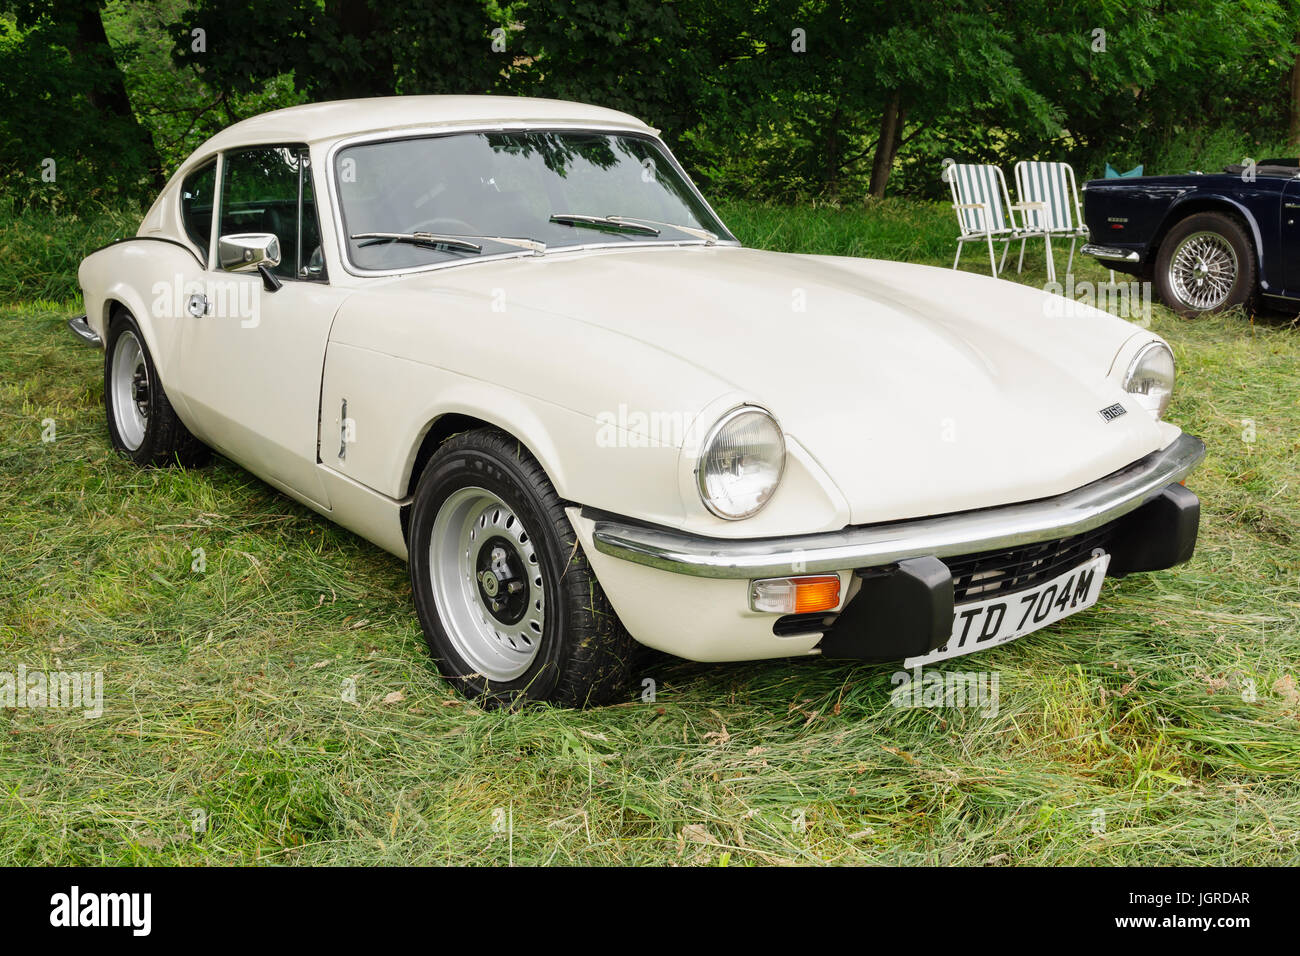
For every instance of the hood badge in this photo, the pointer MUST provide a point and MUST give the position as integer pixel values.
(1112, 412)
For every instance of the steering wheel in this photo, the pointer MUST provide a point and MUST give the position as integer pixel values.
(444, 226)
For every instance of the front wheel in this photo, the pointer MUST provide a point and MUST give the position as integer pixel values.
(510, 607)
(1205, 264)
(142, 424)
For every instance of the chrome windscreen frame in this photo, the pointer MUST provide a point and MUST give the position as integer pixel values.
(336, 198)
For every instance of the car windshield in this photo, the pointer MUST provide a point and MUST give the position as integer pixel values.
(559, 188)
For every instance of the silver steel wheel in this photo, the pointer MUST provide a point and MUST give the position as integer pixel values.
(129, 381)
(1202, 270)
(487, 583)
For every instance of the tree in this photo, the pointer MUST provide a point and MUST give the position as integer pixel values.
(341, 49)
(846, 85)
(1293, 127)
(65, 115)
(644, 57)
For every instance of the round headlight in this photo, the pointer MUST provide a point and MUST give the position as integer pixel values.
(1150, 378)
(742, 462)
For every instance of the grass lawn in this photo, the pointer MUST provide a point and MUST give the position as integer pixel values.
(226, 736)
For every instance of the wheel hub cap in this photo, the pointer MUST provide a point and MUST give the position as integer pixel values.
(129, 390)
(1203, 270)
(487, 583)
(501, 580)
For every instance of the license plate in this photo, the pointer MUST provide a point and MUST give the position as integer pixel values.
(979, 625)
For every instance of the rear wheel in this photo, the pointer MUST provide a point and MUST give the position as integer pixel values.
(1205, 264)
(510, 607)
(142, 424)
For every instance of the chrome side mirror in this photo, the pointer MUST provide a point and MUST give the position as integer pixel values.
(247, 251)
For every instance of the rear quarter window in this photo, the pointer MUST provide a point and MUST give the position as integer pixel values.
(197, 192)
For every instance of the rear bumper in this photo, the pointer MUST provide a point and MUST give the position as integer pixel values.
(1111, 253)
(876, 545)
(82, 330)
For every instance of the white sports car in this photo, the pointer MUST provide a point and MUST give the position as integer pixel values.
(509, 341)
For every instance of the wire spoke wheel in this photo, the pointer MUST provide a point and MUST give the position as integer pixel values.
(487, 583)
(129, 381)
(1203, 270)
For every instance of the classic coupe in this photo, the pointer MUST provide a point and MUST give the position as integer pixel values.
(1208, 242)
(508, 341)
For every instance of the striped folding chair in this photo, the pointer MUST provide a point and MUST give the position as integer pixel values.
(985, 213)
(1051, 200)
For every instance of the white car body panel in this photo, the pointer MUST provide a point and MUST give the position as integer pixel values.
(904, 391)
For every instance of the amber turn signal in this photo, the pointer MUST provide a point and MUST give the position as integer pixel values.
(806, 594)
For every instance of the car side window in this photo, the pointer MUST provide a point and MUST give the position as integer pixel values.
(197, 195)
(269, 189)
(311, 258)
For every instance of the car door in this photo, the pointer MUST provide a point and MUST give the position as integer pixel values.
(251, 362)
(1289, 234)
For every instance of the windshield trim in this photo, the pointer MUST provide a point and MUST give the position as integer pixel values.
(336, 196)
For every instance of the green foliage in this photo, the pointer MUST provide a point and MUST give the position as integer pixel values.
(1161, 73)
(69, 135)
(766, 99)
(340, 49)
(644, 57)
(41, 248)
(177, 103)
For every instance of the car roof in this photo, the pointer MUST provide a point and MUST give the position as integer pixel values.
(317, 122)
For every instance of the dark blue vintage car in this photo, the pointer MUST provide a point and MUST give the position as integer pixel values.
(1207, 242)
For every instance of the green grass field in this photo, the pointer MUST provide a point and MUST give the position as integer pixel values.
(226, 736)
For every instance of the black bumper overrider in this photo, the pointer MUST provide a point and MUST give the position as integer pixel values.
(907, 610)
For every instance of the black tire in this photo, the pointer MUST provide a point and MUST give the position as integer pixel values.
(584, 654)
(1221, 231)
(165, 440)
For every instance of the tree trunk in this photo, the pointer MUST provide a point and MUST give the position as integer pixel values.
(108, 93)
(891, 126)
(1294, 132)
(830, 177)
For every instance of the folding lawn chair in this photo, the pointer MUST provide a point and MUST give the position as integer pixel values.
(1051, 200)
(985, 213)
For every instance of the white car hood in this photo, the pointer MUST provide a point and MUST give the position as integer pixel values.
(918, 390)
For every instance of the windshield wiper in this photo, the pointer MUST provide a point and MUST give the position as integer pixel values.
(698, 233)
(420, 239)
(459, 243)
(603, 222)
(631, 224)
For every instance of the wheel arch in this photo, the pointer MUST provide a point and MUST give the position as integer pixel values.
(1198, 204)
(453, 421)
(122, 297)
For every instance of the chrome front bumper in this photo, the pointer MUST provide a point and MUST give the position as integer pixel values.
(865, 546)
(1110, 253)
(82, 330)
